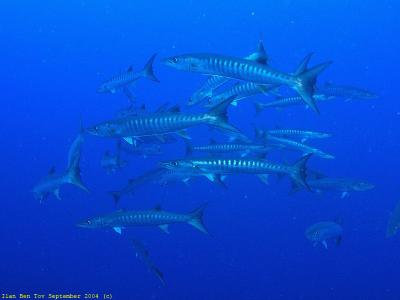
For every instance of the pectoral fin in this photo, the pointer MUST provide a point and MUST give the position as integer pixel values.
(325, 244)
(164, 228)
(118, 230)
(57, 194)
(344, 195)
(129, 140)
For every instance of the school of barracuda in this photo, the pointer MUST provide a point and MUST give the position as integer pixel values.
(230, 81)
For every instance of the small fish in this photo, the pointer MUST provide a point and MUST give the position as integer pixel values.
(283, 143)
(143, 253)
(302, 81)
(165, 122)
(154, 217)
(347, 92)
(213, 82)
(324, 231)
(52, 183)
(214, 167)
(282, 102)
(394, 222)
(124, 80)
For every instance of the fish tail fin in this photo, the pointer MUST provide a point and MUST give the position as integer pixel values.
(74, 177)
(116, 196)
(148, 69)
(307, 81)
(302, 67)
(299, 173)
(218, 116)
(196, 219)
(189, 148)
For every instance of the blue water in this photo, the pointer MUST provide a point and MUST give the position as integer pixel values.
(54, 55)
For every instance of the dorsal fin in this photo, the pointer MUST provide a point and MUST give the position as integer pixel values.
(130, 69)
(52, 170)
(212, 141)
(157, 207)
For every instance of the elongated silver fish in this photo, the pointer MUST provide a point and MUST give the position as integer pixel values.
(343, 185)
(221, 148)
(160, 123)
(289, 144)
(213, 167)
(347, 92)
(154, 217)
(303, 135)
(52, 183)
(213, 82)
(240, 91)
(302, 81)
(143, 253)
(282, 102)
(323, 231)
(123, 80)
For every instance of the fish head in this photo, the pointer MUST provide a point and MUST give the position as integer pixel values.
(312, 234)
(104, 129)
(91, 223)
(361, 186)
(106, 88)
(177, 165)
(183, 62)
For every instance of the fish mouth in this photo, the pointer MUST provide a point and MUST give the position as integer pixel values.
(83, 224)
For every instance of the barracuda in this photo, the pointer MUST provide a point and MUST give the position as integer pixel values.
(303, 135)
(213, 168)
(241, 91)
(162, 123)
(234, 147)
(287, 101)
(52, 183)
(283, 143)
(213, 82)
(347, 92)
(123, 80)
(302, 81)
(154, 217)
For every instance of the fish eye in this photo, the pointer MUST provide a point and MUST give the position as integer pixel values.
(174, 60)
(89, 222)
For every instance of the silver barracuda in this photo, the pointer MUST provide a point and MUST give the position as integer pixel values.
(154, 217)
(394, 222)
(52, 183)
(159, 123)
(303, 135)
(283, 143)
(223, 148)
(144, 255)
(282, 102)
(123, 80)
(213, 82)
(213, 167)
(347, 92)
(240, 91)
(302, 81)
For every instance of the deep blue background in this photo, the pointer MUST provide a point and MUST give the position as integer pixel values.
(54, 54)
